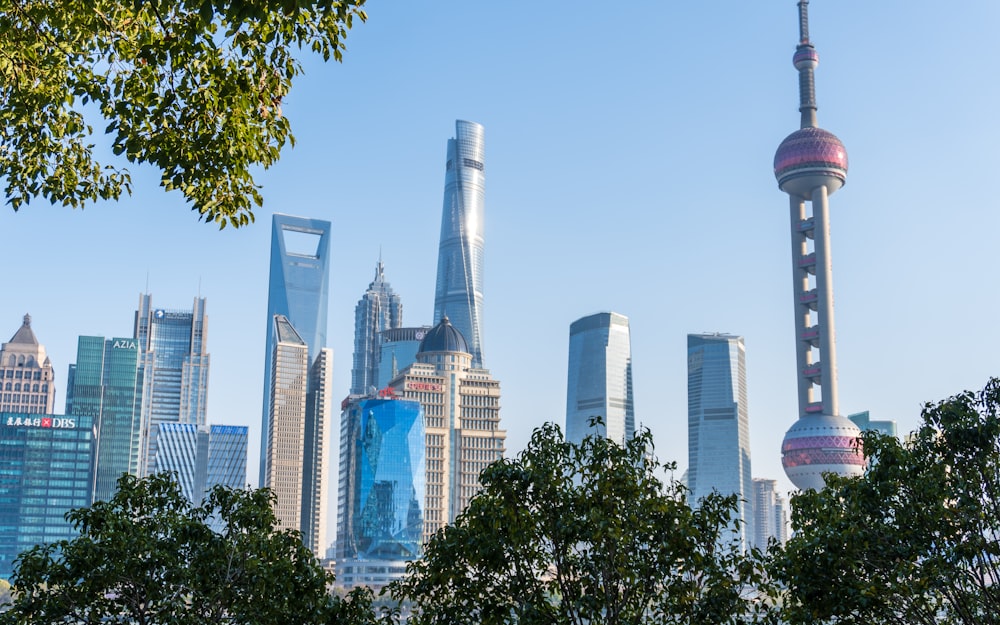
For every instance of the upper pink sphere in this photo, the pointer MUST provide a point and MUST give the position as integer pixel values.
(809, 158)
(805, 57)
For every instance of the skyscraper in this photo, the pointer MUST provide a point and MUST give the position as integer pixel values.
(298, 289)
(718, 423)
(173, 364)
(810, 164)
(378, 310)
(462, 421)
(296, 459)
(599, 383)
(104, 384)
(27, 381)
(203, 457)
(46, 470)
(769, 515)
(865, 423)
(380, 519)
(459, 292)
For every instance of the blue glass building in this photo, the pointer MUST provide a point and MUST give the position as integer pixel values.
(398, 349)
(46, 470)
(298, 289)
(459, 291)
(105, 385)
(718, 423)
(382, 490)
(203, 457)
(599, 382)
(173, 364)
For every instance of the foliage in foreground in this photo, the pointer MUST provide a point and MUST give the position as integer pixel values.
(914, 540)
(191, 87)
(149, 557)
(585, 533)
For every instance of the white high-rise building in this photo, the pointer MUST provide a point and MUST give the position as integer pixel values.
(599, 382)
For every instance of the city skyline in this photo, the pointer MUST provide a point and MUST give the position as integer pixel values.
(605, 166)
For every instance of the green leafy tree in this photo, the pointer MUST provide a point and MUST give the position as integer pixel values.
(148, 557)
(584, 534)
(191, 87)
(913, 540)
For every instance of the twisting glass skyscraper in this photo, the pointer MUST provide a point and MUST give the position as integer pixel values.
(719, 424)
(459, 293)
(599, 382)
(810, 164)
(173, 367)
(379, 309)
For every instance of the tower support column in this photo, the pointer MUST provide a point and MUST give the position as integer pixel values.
(824, 302)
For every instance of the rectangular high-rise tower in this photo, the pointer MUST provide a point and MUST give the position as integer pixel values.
(718, 423)
(27, 380)
(173, 364)
(599, 382)
(203, 457)
(105, 385)
(459, 291)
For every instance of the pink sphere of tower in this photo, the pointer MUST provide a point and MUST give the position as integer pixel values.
(818, 444)
(810, 158)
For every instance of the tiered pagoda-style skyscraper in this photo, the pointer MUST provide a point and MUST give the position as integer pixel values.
(810, 164)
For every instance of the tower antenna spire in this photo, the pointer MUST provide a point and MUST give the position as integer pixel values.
(806, 60)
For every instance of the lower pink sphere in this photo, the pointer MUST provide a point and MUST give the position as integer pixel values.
(820, 444)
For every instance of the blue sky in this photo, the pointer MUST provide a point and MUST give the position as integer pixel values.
(629, 153)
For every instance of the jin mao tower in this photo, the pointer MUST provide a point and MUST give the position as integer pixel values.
(810, 164)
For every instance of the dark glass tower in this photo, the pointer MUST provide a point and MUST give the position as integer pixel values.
(459, 293)
(105, 385)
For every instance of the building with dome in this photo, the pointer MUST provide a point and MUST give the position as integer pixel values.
(461, 405)
(810, 164)
(27, 381)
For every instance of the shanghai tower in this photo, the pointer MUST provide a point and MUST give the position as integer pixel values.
(459, 292)
(810, 164)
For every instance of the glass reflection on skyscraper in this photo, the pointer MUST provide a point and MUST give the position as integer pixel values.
(380, 519)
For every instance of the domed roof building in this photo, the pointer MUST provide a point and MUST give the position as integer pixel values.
(461, 405)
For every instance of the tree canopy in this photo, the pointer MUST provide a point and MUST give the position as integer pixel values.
(191, 87)
(915, 539)
(586, 533)
(149, 557)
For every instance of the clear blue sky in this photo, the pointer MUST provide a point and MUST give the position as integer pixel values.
(629, 153)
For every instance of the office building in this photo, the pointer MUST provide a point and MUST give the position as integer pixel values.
(296, 459)
(203, 457)
(810, 164)
(299, 290)
(865, 423)
(398, 349)
(378, 310)
(461, 421)
(104, 385)
(46, 470)
(459, 291)
(380, 520)
(173, 366)
(599, 382)
(27, 381)
(770, 515)
(719, 424)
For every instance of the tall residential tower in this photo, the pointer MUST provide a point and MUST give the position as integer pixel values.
(599, 382)
(459, 292)
(810, 164)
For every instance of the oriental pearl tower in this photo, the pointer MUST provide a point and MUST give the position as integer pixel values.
(810, 164)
